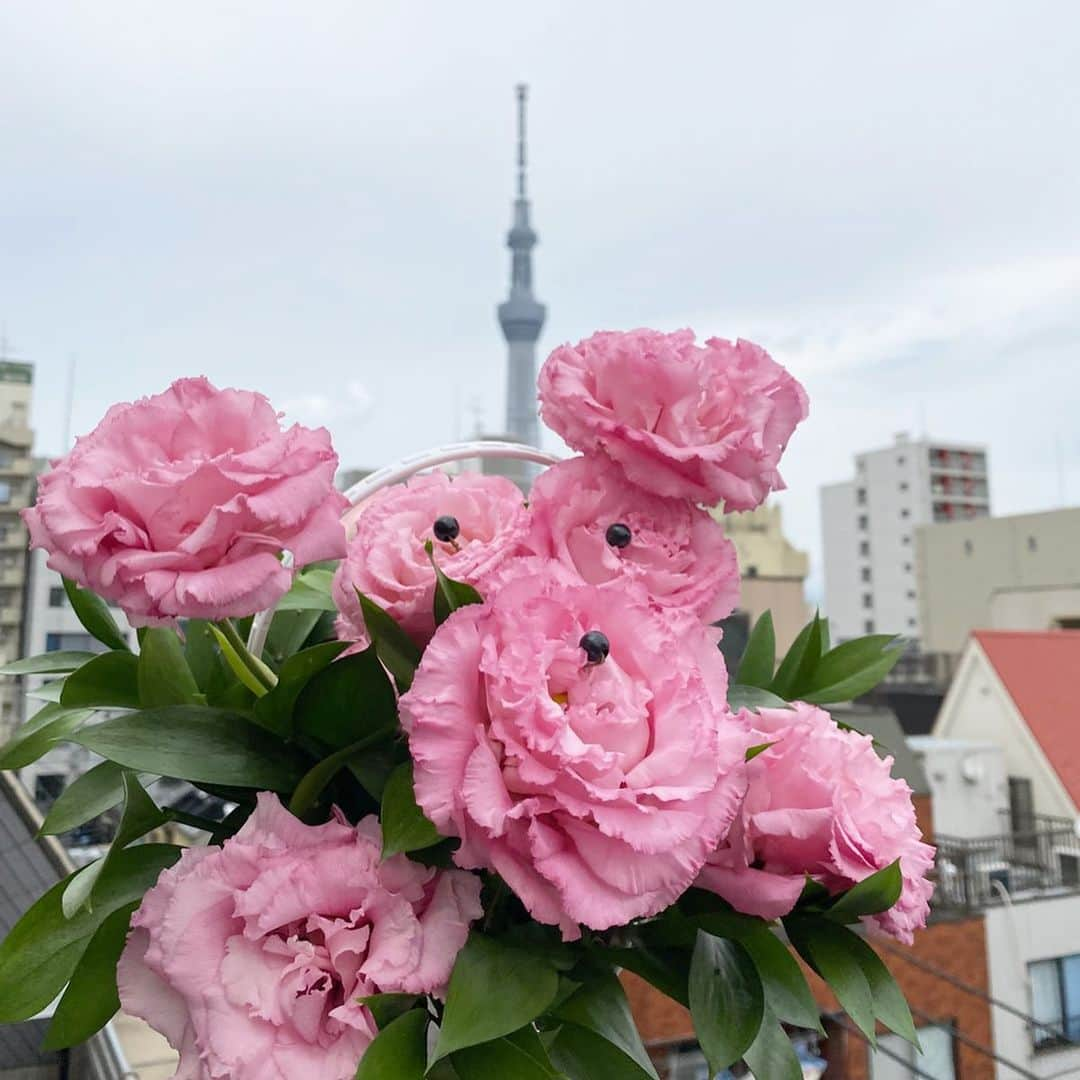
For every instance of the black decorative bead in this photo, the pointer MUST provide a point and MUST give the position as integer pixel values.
(596, 646)
(446, 528)
(618, 535)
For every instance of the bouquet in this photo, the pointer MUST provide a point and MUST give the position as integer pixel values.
(481, 754)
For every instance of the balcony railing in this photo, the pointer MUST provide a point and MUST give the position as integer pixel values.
(1041, 855)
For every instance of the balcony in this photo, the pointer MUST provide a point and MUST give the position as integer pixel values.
(12, 576)
(14, 536)
(11, 615)
(1042, 856)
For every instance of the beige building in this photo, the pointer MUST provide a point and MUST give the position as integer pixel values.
(1006, 573)
(16, 484)
(773, 571)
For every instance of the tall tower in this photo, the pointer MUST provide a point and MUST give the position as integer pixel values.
(522, 315)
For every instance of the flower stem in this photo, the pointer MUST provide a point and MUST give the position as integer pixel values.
(318, 776)
(259, 673)
(194, 821)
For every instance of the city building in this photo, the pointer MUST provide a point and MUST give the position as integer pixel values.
(773, 576)
(869, 525)
(16, 482)
(1020, 572)
(521, 317)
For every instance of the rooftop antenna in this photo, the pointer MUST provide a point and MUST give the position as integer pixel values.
(522, 96)
(69, 406)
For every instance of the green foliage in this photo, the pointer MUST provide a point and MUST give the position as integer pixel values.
(399, 1050)
(870, 896)
(771, 1055)
(44, 948)
(495, 989)
(396, 649)
(404, 827)
(310, 592)
(520, 1056)
(799, 664)
(758, 663)
(95, 616)
(46, 728)
(96, 791)
(853, 668)
(347, 700)
(163, 676)
(449, 595)
(190, 742)
(386, 1008)
(111, 679)
(50, 663)
(753, 698)
(727, 1001)
(274, 710)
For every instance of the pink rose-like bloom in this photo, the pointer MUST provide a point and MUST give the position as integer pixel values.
(179, 505)
(595, 791)
(676, 552)
(820, 802)
(702, 422)
(386, 559)
(249, 958)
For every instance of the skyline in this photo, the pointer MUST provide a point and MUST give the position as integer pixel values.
(315, 207)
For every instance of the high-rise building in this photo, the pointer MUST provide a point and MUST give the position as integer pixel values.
(869, 524)
(521, 316)
(16, 482)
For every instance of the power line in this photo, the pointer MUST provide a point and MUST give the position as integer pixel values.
(974, 991)
(980, 1048)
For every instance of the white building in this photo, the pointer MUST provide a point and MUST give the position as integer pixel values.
(869, 523)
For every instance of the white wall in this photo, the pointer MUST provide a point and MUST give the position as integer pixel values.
(968, 784)
(1016, 936)
(843, 590)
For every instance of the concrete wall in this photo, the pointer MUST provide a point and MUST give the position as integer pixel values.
(784, 597)
(1016, 936)
(968, 783)
(963, 564)
(840, 548)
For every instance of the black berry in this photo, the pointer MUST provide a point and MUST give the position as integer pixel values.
(596, 646)
(446, 528)
(618, 535)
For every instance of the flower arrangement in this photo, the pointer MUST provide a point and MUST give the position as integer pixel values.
(484, 754)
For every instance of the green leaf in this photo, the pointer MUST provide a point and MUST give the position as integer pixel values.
(347, 700)
(396, 649)
(771, 1055)
(96, 791)
(449, 595)
(50, 663)
(404, 827)
(753, 751)
(315, 780)
(111, 679)
(164, 677)
(274, 710)
(41, 952)
(237, 664)
(91, 998)
(310, 592)
(727, 1001)
(826, 637)
(853, 669)
(49, 691)
(506, 1059)
(386, 1008)
(826, 948)
(787, 992)
(583, 1055)
(753, 698)
(872, 895)
(600, 1008)
(399, 1050)
(494, 990)
(46, 728)
(666, 969)
(758, 662)
(798, 666)
(889, 1004)
(288, 632)
(189, 742)
(95, 616)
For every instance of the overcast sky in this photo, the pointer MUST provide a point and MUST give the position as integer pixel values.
(311, 200)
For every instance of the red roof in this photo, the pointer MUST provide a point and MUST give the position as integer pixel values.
(1041, 671)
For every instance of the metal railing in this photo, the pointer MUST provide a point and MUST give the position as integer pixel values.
(1037, 854)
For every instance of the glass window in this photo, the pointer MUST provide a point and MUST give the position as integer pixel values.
(5, 492)
(1046, 1003)
(864, 547)
(905, 513)
(72, 642)
(868, 600)
(937, 1058)
(864, 521)
(57, 596)
(868, 626)
(866, 573)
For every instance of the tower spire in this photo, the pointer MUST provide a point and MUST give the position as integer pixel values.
(521, 315)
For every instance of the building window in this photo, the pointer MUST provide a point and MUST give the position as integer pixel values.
(868, 626)
(907, 568)
(864, 522)
(911, 623)
(969, 547)
(937, 1059)
(901, 460)
(905, 539)
(1055, 1001)
(864, 547)
(1033, 544)
(903, 485)
(73, 642)
(905, 513)
(860, 496)
(5, 492)
(57, 596)
(911, 594)
(751, 571)
(866, 573)
(867, 600)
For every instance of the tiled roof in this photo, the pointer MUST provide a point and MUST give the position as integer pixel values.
(1041, 672)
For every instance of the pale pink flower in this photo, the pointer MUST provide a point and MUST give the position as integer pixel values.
(821, 803)
(249, 958)
(386, 559)
(595, 790)
(707, 423)
(588, 516)
(179, 505)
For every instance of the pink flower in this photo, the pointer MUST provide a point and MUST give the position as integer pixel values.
(674, 550)
(706, 423)
(820, 802)
(249, 958)
(386, 559)
(595, 790)
(181, 504)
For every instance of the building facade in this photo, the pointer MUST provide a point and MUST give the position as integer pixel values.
(1020, 572)
(16, 484)
(869, 526)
